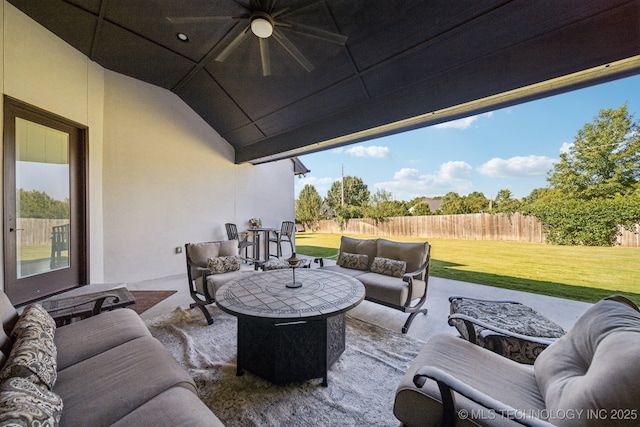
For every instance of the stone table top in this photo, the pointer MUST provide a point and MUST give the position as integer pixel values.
(265, 294)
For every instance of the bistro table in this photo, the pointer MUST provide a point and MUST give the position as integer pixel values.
(256, 231)
(290, 334)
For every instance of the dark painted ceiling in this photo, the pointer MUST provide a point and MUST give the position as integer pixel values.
(401, 59)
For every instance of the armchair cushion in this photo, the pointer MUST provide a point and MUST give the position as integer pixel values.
(200, 253)
(353, 261)
(388, 267)
(366, 247)
(224, 264)
(595, 365)
(413, 253)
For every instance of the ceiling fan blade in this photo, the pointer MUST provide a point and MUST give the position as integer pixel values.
(289, 47)
(317, 33)
(246, 31)
(266, 58)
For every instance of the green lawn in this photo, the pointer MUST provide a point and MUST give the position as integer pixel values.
(581, 273)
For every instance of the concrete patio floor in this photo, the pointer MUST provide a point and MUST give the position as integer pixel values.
(563, 312)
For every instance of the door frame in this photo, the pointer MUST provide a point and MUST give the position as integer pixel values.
(79, 214)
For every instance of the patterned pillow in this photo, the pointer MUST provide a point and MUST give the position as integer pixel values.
(34, 315)
(224, 264)
(33, 356)
(353, 261)
(388, 267)
(22, 403)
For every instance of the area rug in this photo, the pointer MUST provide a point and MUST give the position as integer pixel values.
(362, 382)
(147, 299)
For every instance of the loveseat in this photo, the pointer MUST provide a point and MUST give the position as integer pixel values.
(589, 377)
(104, 370)
(394, 274)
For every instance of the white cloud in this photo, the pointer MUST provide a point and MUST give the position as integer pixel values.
(463, 123)
(373, 151)
(566, 146)
(516, 167)
(409, 182)
(338, 150)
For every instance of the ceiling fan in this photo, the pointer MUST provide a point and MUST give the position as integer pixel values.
(264, 20)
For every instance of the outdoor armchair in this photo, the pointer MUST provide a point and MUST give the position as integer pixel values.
(588, 377)
(243, 240)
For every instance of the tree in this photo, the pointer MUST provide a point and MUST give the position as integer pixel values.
(382, 205)
(505, 202)
(452, 204)
(308, 206)
(595, 186)
(421, 209)
(356, 193)
(38, 204)
(604, 159)
(476, 202)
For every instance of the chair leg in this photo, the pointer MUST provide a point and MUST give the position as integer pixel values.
(412, 316)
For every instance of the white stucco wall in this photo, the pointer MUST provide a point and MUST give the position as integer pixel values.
(159, 175)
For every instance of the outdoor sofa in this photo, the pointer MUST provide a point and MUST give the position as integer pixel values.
(104, 370)
(589, 377)
(394, 274)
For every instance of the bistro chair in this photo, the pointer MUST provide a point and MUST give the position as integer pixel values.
(285, 234)
(243, 239)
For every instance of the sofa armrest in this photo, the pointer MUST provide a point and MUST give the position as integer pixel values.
(471, 321)
(408, 277)
(447, 384)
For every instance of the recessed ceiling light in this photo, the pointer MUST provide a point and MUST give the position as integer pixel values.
(183, 37)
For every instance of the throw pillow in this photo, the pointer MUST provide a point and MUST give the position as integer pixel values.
(353, 261)
(224, 264)
(34, 315)
(22, 403)
(33, 356)
(388, 267)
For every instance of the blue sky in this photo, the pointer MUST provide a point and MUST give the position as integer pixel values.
(511, 148)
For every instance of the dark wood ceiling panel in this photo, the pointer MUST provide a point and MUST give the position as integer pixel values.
(401, 58)
(211, 102)
(116, 47)
(344, 95)
(162, 20)
(379, 31)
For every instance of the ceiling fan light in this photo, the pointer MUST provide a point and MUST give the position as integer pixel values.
(261, 27)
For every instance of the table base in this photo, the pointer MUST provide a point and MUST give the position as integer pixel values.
(284, 352)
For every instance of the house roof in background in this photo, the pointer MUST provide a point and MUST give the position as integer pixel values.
(405, 64)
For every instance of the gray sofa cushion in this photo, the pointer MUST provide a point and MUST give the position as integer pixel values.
(506, 380)
(596, 365)
(413, 253)
(168, 409)
(367, 247)
(106, 387)
(392, 290)
(214, 281)
(98, 333)
(348, 271)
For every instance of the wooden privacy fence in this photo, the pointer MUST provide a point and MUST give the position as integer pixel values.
(481, 226)
(36, 231)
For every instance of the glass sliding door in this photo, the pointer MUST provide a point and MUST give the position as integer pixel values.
(42, 199)
(45, 236)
